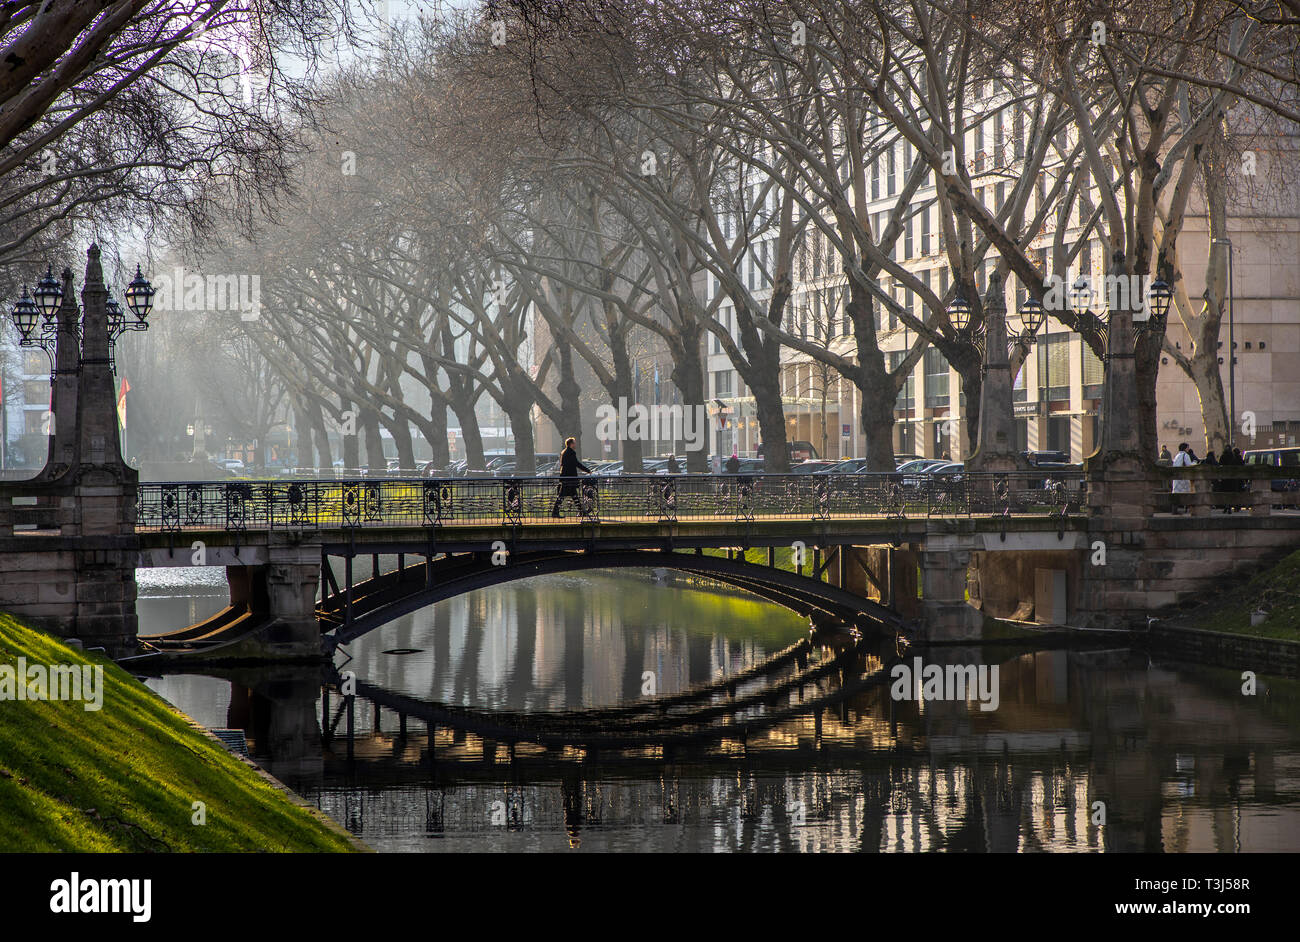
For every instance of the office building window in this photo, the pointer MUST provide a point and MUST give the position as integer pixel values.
(936, 379)
(925, 231)
(722, 384)
(1054, 367)
(1094, 374)
(908, 247)
(892, 170)
(907, 392)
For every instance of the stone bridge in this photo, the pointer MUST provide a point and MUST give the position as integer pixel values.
(931, 557)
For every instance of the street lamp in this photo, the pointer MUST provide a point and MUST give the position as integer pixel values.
(1081, 296)
(48, 294)
(42, 305)
(25, 313)
(959, 312)
(1032, 316)
(139, 298)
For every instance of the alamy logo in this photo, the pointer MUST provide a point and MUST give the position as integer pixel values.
(640, 423)
(190, 291)
(75, 895)
(954, 682)
(68, 682)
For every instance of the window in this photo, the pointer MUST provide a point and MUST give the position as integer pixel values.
(724, 318)
(907, 392)
(35, 364)
(36, 392)
(1018, 132)
(722, 384)
(1054, 367)
(875, 179)
(893, 184)
(936, 379)
(764, 278)
(908, 246)
(925, 232)
(1001, 197)
(1019, 393)
(979, 147)
(1094, 374)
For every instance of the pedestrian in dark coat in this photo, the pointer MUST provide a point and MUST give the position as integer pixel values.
(569, 468)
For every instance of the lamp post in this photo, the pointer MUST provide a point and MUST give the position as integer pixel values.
(79, 344)
(1232, 350)
(41, 307)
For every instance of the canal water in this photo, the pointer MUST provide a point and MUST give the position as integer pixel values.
(791, 747)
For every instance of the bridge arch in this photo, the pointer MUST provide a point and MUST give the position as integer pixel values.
(377, 601)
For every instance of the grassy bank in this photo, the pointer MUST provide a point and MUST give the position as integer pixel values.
(1275, 590)
(125, 777)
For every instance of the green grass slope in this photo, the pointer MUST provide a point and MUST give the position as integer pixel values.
(125, 778)
(1275, 590)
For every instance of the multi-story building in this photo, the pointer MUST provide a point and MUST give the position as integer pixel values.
(25, 408)
(1057, 393)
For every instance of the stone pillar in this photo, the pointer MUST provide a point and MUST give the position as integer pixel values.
(102, 505)
(63, 396)
(996, 448)
(292, 580)
(945, 613)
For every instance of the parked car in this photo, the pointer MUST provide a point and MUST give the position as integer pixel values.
(1039, 458)
(1275, 458)
(847, 466)
(813, 466)
(799, 451)
(919, 465)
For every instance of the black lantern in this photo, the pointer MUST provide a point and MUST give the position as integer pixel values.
(1160, 296)
(959, 312)
(116, 318)
(1081, 295)
(139, 296)
(1032, 314)
(48, 294)
(25, 314)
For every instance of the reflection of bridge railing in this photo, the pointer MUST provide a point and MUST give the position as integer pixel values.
(314, 504)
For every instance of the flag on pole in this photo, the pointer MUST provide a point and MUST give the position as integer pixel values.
(121, 403)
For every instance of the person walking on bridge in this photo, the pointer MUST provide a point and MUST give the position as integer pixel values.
(569, 467)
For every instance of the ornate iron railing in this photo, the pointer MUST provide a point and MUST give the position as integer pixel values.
(413, 502)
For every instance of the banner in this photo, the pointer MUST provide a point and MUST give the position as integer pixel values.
(121, 403)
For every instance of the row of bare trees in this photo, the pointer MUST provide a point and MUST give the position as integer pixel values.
(509, 202)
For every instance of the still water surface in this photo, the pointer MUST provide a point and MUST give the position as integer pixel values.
(1177, 757)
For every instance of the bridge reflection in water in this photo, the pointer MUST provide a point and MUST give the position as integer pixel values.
(797, 749)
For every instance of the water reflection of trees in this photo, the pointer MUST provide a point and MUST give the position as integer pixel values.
(1180, 759)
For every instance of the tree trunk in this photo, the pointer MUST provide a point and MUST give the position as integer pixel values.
(569, 392)
(349, 445)
(771, 419)
(324, 453)
(401, 431)
(1205, 374)
(375, 459)
(688, 377)
(877, 415)
(469, 432)
(518, 406)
